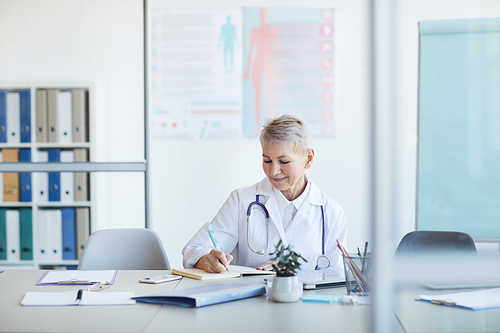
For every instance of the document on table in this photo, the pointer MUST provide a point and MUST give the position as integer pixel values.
(206, 295)
(77, 277)
(236, 271)
(471, 300)
(70, 298)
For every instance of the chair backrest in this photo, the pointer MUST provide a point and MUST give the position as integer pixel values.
(417, 242)
(124, 249)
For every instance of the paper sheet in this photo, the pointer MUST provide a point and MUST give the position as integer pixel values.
(69, 298)
(53, 277)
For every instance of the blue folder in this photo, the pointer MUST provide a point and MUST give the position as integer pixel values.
(68, 233)
(25, 177)
(25, 115)
(54, 177)
(205, 295)
(3, 116)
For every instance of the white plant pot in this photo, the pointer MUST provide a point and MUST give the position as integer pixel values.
(286, 289)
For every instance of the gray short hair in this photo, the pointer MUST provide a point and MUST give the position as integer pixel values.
(287, 129)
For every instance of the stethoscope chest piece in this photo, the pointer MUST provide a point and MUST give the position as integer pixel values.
(323, 262)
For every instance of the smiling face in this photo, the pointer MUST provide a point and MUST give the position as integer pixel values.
(284, 166)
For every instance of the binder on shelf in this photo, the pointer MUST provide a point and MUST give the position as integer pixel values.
(25, 115)
(1, 179)
(65, 114)
(79, 115)
(3, 234)
(52, 117)
(42, 186)
(82, 229)
(26, 233)
(54, 155)
(68, 233)
(25, 177)
(41, 115)
(81, 178)
(3, 116)
(67, 178)
(42, 235)
(10, 179)
(13, 237)
(13, 118)
(54, 235)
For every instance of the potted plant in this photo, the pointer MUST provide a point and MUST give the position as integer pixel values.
(287, 286)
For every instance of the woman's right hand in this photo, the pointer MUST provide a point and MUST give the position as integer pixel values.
(214, 262)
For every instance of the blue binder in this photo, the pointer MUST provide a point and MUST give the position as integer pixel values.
(68, 233)
(25, 115)
(3, 234)
(25, 177)
(3, 116)
(54, 177)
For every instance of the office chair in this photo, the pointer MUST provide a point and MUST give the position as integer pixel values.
(417, 242)
(124, 249)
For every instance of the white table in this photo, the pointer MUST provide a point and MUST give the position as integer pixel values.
(424, 317)
(257, 314)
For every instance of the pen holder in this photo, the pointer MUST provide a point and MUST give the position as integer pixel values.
(358, 274)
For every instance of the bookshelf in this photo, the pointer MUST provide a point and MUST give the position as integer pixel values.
(63, 170)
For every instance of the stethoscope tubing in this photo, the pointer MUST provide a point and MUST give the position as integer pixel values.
(266, 213)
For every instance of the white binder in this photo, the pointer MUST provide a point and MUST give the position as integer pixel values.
(67, 178)
(13, 118)
(65, 115)
(42, 236)
(55, 235)
(42, 179)
(13, 236)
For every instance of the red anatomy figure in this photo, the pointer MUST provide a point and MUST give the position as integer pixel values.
(264, 41)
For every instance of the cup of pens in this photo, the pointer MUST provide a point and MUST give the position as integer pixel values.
(358, 274)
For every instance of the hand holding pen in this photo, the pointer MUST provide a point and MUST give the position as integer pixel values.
(216, 261)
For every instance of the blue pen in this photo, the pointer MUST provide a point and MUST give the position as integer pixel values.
(216, 245)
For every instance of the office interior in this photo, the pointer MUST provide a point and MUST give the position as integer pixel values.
(369, 167)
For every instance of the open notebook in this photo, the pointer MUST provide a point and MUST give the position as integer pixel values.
(235, 271)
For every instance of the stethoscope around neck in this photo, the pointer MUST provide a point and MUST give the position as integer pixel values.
(323, 261)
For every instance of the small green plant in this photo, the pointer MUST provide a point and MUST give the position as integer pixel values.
(288, 260)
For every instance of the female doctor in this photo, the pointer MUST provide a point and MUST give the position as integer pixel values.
(298, 212)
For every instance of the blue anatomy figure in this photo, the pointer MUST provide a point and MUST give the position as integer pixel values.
(228, 34)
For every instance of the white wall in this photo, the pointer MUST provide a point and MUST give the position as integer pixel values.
(58, 41)
(191, 181)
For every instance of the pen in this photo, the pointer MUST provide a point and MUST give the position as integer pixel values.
(79, 296)
(216, 245)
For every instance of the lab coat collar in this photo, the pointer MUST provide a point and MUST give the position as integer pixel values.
(265, 188)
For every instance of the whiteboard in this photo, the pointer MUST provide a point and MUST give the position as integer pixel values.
(458, 185)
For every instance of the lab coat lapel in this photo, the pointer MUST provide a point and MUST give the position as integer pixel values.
(313, 199)
(266, 189)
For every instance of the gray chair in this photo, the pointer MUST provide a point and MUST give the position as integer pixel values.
(124, 249)
(418, 242)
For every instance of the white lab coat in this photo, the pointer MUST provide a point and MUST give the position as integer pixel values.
(304, 232)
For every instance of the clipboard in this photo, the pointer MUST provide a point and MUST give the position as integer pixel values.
(75, 277)
(471, 300)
